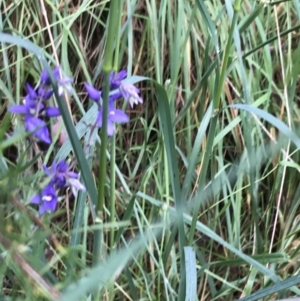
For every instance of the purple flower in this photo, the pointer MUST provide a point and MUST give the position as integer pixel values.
(62, 176)
(115, 79)
(128, 91)
(114, 96)
(38, 127)
(46, 199)
(130, 94)
(62, 82)
(34, 108)
(29, 107)
(52, 112)
(31, 92)
(45, 93)
(114, 116)
(39, 95)
(45, 78)
(96, 95)
(93, 93)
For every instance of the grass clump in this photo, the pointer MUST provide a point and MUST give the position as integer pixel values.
(159, 160)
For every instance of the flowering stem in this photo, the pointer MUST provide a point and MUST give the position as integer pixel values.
(112, 189)
(107, 67)
(102, 169)
(112, 199)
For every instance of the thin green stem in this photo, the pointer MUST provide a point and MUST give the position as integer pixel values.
(118, 40)
(111, 35)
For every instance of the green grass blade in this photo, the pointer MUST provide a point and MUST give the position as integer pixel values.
(195, 152)
(169, 142)
(99, 276)
(268, 291)
(283, 128)
(247, 21)
(191, 274)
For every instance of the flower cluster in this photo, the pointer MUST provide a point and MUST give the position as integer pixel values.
(35, 109)
(60, 177)
(119, 89)
(35, 104)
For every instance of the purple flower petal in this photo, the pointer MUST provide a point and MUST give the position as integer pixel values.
(121, 75)
(38, 127)
(114, 116)
(62, 176)
(110, 128)
(36, 199)
(46, 199)
(46, 170)
(59, 180)
(31, 92)
(45, 93)
(19, 109)
(45, 79)
(43, 135)
(32, 123)
(27, 101)
(99, 119)
(66, 80)
(60, 173)
(116, 78)
(118, 116)
(73, 175)
(56, 73)
(52, 112)
(115, 96)
(76, 185)
(94, 94)
(130, 94)
(62, 166)
(47, 206)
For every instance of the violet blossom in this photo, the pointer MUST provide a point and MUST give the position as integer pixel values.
(35, 105)
(114, 115)
(60, 177)
(62, 82)
(115, 79)
(130, 94)
(46, 199)
(120, 89)
(128, 91)
(33, 108)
